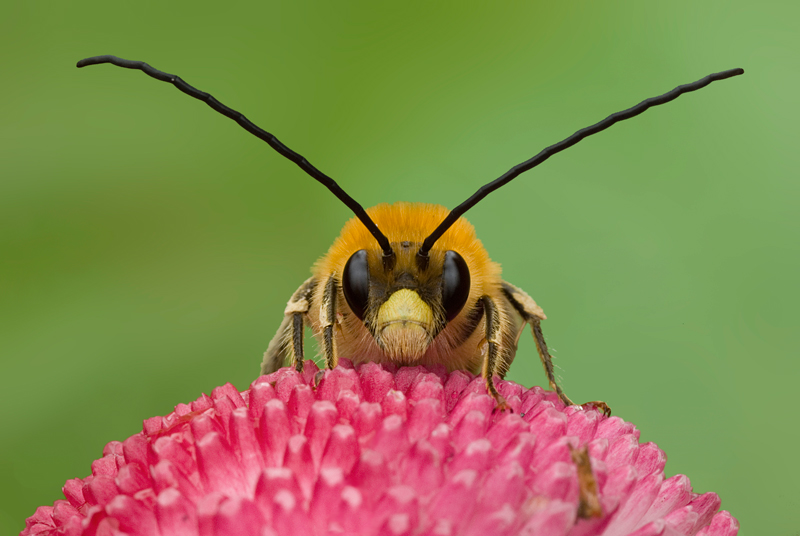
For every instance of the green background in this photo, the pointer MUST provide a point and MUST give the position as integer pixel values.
(149, 245)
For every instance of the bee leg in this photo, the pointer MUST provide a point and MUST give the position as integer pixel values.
(534, 315)
(290, 332)
(327, 319)
(547, 360)
(493, 363)
(297, 341)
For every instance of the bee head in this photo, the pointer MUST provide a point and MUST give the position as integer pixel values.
(406, 306)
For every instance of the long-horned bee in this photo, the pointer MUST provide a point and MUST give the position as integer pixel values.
(410, 283)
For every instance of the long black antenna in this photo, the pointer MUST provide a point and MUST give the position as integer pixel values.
(507, 177)
(302, 163)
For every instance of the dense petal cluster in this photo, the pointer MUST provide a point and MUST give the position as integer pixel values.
(377, 450)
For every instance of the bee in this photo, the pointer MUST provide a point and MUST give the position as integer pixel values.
(410, 283)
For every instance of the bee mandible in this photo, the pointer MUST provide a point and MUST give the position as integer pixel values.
(410, 283)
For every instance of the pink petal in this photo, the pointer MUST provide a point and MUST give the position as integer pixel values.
(633, 509)
(270, 483)
(299, 406)
(275, 432)
(172, 448)
(554, 518)
(207, 509)
(166, 475)
(134, 449)
(422, 469)
(452, 507)
(287, 380)
(469, 428)
(582, 424)
(73, 491)
(427, 386)
(62, 512)
(375, 382)
(325, 502)
(657, 528)
(218, 466)
(651, 459)
(260, 393)
(100, 490)
(342, 450)
(245, 444)
(346, 404)
(549, 425)
(395, 403)
(132, 478)
(366, 419)
(42, 516)
(723, 524)
(506, 428)
(397, 512)
(289, 517)
(299, 460)
(238, 516)
(504, 486)
(453, 387)
(176, 514)
(321, 419)
(370, 474)
(134, 517)
(674, 493)
(475, 456)
(107, 465)
(229, 391)
(426, 414)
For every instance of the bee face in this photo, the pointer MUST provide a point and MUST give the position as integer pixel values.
(413, 311)
(405, 308)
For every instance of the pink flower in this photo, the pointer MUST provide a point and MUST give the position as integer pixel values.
(376, 450)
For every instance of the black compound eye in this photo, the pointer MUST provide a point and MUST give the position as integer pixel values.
(355, 283)
(455, 284)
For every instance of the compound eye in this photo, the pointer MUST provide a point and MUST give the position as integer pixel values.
(455, 284)
(355, 283)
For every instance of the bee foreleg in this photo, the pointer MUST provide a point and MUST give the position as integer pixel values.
(297, 341)
(327, 320)
(493, 363)
(290, 331)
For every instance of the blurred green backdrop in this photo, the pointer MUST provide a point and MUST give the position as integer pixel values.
(149, 245)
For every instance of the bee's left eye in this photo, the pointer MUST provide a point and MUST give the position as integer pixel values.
(355, 283)
(455, 284)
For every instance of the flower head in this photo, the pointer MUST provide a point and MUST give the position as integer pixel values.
(378, 450)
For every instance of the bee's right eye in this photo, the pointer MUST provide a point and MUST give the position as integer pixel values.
(355, 283)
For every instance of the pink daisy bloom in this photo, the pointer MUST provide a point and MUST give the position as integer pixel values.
(384, 451)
